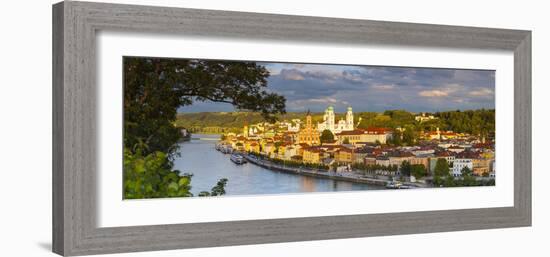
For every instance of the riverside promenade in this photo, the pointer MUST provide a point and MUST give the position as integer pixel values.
(342, 176)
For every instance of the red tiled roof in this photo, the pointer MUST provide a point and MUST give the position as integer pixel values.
(313, 149)
(352, 132)
(345, 149)
(363, 151)
(468, 155)
(442, 154)
(377, 131)
(401, 154)
(483, 145)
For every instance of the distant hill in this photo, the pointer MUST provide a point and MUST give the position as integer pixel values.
(221, 122)
(470, 121)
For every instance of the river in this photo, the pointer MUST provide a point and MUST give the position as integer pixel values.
(199, 157)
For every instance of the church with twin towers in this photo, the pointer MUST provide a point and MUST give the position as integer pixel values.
(329, 121)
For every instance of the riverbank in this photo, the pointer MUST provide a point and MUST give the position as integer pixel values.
(341, 176)
(208, 166)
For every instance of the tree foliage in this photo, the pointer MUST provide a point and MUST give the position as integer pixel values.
(217, 190)
(406, 168)
(225, 122)
(150, 176)
(451, 181)
(410, 135)
(477, 122)
(418, 171)
(326, 136)
(441, 168)
(466, 171)
(154, 89)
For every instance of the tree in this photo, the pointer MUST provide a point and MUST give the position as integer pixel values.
(346, 141)
(406, 168)
(450, 182)
(396, 138)
(466, 172)
(327, 136)
(470, 181)
(217, 190)
(154, 88)
(410, 135)
(150, 176)
(441, 168)
(418, 170)
(438, 181)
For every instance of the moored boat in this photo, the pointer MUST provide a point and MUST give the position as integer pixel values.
(393, 185)
(237, 159)
(224, 148)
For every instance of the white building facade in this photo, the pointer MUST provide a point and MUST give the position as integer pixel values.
(459, 164)
(329, 121)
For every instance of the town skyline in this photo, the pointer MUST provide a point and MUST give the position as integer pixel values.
(372, 88)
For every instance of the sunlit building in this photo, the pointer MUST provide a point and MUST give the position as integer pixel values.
(312, 155)
(308, 134)
(370, 135)
(329, 121)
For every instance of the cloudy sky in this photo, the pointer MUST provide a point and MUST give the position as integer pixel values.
(372, 88)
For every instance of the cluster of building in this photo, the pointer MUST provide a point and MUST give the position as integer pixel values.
(424, 117)
(299, 141)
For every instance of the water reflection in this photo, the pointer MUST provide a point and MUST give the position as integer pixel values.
(199, 157)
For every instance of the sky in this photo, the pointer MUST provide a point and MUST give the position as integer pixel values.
(373, 88)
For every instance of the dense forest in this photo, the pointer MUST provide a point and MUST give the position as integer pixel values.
(477, 122)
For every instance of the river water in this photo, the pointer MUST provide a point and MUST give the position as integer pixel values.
(199, 157)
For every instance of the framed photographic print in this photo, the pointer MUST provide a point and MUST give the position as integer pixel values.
(183, 128)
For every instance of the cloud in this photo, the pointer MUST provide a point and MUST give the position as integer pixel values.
(374, 88)
(291, 74)
(323, 100)
(445, 91)
(383, 87)
(433, 93)
(482, 92)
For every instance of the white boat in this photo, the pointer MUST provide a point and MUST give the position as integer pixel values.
(237, 159)
(224, 148)
(393, 185)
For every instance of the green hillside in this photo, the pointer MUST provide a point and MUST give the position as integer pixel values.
(471, 121)
(221, 122)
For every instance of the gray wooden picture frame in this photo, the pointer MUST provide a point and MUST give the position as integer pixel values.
(75, 25)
